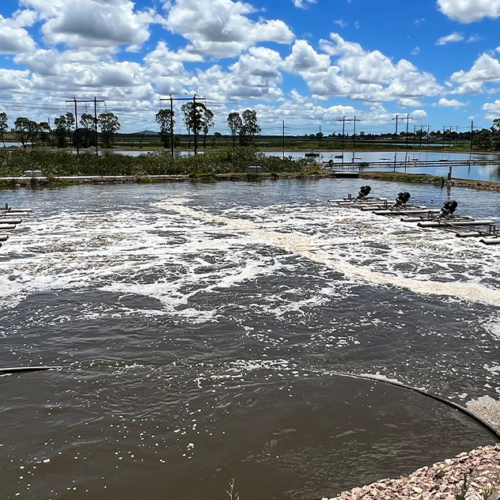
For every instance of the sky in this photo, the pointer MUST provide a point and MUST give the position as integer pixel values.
(308, 63)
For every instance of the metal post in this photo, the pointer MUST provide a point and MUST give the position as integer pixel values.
(76, 127)
(95, 126)
(195, 126)
(172, 126)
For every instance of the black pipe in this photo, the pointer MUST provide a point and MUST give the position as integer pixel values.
(20, 369)
(467, 412)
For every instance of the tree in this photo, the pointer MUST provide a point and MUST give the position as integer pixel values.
(109, 125)
(235, 124)
(197, 117)
(208, 123)
(61, 131)
(25, 131)
(216, 137)
(165, 118)
(250, 126)
(482, 140)
(44, 133)
(4, 126)
(87, 136)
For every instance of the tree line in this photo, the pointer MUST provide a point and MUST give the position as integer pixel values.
(199, 119)
(28, 131)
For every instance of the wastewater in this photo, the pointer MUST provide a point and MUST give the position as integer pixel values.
(202, 332)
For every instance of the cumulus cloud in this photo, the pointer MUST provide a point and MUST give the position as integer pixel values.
(363, 75)
(221, 28)
(454, 37)
(450, 103)
(493, 110)
(97, 23)
(14, 38)
(409, 103)
(485, 69)
(469, 11)
(302, 4)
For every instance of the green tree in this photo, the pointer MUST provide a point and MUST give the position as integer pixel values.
(44, 133)
(26, 131)
(88, 122)
(165, 118)
(197, 117)
(4, 126)
(250, 127)
(109, 125)
(61, 131)
(208, 123)
(235, 124)
(482, 140)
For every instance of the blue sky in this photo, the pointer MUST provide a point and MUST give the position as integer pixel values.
(306, 62)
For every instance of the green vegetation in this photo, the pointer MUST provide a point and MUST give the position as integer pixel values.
(223, 161)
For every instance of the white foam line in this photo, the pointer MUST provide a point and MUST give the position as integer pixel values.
(304, 246)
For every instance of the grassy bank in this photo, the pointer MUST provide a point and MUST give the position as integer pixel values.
(60, 164)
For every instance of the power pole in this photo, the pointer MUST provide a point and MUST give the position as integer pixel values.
(396, 141)
(343, 136)
(471, 134)
(408, 118)
(95, 101)
(283, 139)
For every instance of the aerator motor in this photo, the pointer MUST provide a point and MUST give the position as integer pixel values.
(402, 199)
(364, 192)
(448, 208)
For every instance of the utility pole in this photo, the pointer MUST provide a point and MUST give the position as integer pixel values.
(343, 136)
(353, 135)
(450, 128)
(396, 141)
(95, 101)
(283, 139)
(408, 118)
(471, 134)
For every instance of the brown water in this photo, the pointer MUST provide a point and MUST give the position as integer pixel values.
(199, 329)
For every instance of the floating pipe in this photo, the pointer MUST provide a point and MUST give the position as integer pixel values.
(458, 407)
(18, 369)
(10, 221)
(403, 212)
(3, 237)
(16, 210)
(7, 227)
(470, 235)
(456, 224)
(491, 241)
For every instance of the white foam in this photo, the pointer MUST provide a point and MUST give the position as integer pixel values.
(316, 249)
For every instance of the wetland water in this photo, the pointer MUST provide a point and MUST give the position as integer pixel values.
(200, 327)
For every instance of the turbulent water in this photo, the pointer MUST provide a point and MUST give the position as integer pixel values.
(202, 331)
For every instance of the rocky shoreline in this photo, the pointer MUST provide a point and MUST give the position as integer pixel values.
(480, 469)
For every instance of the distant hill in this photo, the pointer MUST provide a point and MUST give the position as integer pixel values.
(145, 132)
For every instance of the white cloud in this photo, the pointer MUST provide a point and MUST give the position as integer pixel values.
(469, 11)
(340, 23)
(302, 4)
(97, 23)
(493, 110)
(485, 69)
(14, 39)
(415, 51)
(221, 28)
(454, 37)
(450, 103)
(409, 103)
(367, 76)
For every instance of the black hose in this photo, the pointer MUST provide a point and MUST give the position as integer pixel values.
(491, 428)
(19, 369)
